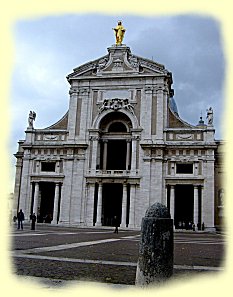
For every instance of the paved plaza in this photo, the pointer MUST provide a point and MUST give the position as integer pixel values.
(62, 254)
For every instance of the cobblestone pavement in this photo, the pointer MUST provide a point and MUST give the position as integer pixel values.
(65, 253)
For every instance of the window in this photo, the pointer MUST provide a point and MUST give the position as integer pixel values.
(48, 166)
(184, 168)
(117, 127)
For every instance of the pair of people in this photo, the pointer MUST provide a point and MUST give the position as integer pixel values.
(20, 218)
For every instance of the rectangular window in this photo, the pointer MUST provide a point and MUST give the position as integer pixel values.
(48, 166)
(184, 168)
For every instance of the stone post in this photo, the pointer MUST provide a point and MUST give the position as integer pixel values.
(155, 262)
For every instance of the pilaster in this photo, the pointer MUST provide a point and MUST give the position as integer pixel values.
(72, 113)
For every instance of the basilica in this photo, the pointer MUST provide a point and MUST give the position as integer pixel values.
(120, 148)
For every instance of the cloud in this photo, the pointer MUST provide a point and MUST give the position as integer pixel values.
(48, 48)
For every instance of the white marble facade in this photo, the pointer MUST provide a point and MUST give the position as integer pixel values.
(120, 148)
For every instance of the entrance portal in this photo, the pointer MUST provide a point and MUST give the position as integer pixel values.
(112, 203)
(183, 206)
(47, 190)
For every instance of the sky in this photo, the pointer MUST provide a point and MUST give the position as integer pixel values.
(47, 49)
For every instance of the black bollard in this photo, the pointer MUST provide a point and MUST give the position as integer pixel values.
(155, 262)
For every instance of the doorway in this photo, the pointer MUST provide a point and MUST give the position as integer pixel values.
(47, 190)
(183, 206)
(112, 203)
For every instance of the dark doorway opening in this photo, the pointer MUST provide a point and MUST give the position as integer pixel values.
(47, 191)
(183, 206)
(116, 155)
(112, 203)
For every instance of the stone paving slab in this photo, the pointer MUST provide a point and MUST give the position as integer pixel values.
(112, 257)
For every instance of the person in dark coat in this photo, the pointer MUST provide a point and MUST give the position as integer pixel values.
(33, 218)
(116, 224)
(20, 217)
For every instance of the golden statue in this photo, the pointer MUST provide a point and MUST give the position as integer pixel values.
(119, 33)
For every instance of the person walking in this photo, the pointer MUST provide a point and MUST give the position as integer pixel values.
(33, 218)
(115, 222)
(20, 217)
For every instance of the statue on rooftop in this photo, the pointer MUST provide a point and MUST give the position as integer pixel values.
(210, 116)
(31, 118)
(119, 33)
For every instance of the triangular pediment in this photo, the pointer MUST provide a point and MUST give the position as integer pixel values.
(119, 61)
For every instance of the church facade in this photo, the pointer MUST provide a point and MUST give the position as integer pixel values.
(120, 148)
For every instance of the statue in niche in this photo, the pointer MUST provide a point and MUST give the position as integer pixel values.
(210, 116)
(31, 118)
(119, 33)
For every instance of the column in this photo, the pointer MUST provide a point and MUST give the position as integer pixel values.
(124, 206)
(134, 154)
(132, 206)
(105, 154)
(202, 198)
(172, 202)
(99, 206)
(128, 154)
(36, 196)
(166, 196)
(195, 206)
(55, 205)
(29, 206)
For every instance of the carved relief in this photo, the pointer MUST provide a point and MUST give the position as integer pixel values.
(185, 136)
(73, 91)
(133, 61)
(50, 137)
(116, 104)
(102, 63)
(118, 63)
